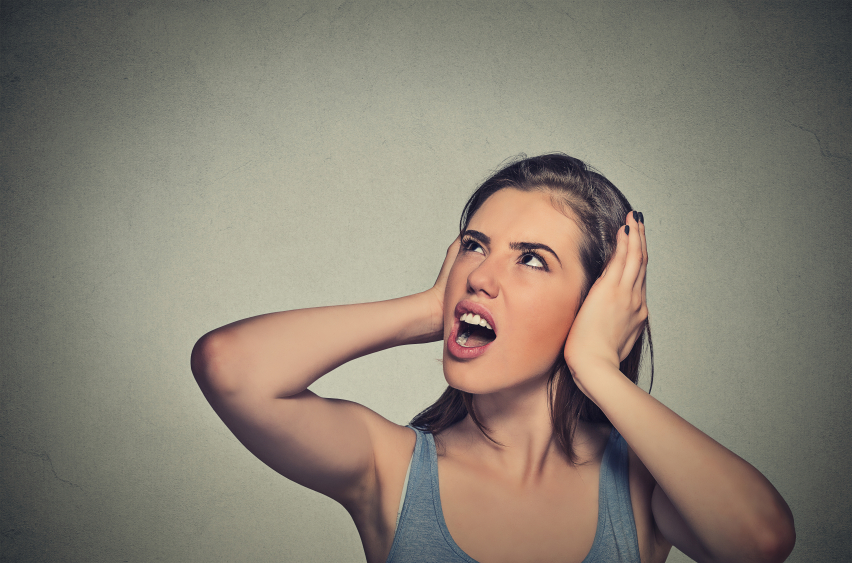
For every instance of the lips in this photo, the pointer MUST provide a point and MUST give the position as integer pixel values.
(470, 308)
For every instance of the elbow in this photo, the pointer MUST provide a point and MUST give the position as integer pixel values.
(213, 364)
(766, 536)
(774, 537)
(776, 541)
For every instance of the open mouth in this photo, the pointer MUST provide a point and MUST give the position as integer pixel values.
(474, 331)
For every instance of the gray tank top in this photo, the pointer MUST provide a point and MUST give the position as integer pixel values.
(422, 535)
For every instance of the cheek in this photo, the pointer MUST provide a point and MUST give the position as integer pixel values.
(546, 336)
(546, 339)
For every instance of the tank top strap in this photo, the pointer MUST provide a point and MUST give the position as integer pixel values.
(421, 533)
(616, 538)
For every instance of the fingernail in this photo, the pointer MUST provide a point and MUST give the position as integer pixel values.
(626, 229)
(635, 216)
(641, 218)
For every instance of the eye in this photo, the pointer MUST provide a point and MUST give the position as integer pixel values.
(470, 245)
(533, 260)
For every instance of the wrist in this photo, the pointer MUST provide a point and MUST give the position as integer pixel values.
(426, 321)
(592, 373)
(590, 360)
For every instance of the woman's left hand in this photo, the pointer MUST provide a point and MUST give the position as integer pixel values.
(615, 312)
(707, 501)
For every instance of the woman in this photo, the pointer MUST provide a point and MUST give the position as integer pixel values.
(545, 447)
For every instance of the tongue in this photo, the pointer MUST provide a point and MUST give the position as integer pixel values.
(479, 337)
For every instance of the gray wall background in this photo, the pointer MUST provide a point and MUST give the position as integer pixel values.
(170, 166)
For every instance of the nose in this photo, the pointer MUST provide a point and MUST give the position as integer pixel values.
(483, 280)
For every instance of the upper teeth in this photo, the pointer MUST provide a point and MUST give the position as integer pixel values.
(472, 319)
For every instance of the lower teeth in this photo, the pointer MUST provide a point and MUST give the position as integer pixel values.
(461, 339)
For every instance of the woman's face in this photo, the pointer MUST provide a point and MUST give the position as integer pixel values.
(519, 269)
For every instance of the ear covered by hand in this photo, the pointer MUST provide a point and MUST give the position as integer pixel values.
(614, 313)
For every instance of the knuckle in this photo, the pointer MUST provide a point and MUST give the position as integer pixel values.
(637, 303)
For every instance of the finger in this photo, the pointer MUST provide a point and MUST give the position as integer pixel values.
(453, 249)
(449, 260)
(643, 272)
(634, 258)
(615, 267)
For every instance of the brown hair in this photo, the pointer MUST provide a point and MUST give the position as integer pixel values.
(599, 209)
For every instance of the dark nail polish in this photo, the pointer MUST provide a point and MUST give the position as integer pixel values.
(641, 218)
(626, 229)
(635, 216)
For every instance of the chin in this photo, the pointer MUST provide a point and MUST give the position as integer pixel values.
(480, 378)
(460, 375)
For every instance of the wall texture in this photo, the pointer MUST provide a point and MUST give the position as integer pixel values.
(171, 166)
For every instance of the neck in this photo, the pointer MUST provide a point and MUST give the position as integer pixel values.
(518, 419)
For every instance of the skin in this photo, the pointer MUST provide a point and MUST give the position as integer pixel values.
(521, 500)
(532, 297)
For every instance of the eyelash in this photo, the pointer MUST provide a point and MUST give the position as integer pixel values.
(468, 244)
(539, 257)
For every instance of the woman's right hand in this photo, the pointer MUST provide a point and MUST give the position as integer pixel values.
(435, 295)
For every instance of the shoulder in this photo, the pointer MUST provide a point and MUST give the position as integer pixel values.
(374, 502)
(652, 545)
(347, 431)
(392, 446)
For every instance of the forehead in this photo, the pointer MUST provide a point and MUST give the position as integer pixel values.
(519, 216)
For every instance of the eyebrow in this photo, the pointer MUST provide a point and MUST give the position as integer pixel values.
(482, 237)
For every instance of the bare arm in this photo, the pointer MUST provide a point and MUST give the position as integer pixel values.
(255, 374)
(708, 502)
